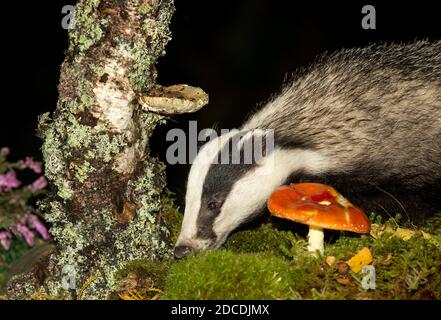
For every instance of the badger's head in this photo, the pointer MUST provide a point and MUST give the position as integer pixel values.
(221, 193)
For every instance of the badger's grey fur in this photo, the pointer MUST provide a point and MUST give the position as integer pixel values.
(366, 121)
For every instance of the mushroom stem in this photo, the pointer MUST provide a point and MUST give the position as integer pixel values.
(315, 240)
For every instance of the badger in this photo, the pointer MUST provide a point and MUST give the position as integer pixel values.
(365, 120)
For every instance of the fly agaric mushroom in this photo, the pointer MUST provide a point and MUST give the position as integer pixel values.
(319, 206)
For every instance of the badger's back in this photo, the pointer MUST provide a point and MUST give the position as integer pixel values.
(375, 110)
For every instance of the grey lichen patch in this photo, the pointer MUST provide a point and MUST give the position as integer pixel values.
(153, 30)
(145, 8)
(107, 147)
(82, 171)
(158, 30)
(53, 209)
(78, 135)
(65, 192)
(54, 158)
(105, 216)
(87, 29)
(140, 74)
(143, 182)
(97, 69)
(157, 34)
(86, 100)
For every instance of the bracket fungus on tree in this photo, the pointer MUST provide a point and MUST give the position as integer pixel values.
(319, 206)
(176, 99)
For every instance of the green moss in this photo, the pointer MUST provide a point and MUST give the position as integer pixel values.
(415, 266)
(263, 239)
(252, 263)
(404, 269)
(171, 215)
(226, 275)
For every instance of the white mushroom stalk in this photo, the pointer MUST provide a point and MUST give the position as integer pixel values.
(315, 240)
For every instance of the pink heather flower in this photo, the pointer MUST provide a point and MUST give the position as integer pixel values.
(36, 224)
(31, 164)
(6, 244)
(26, 233)
(8, 181)
(5, 151)
(38, 184)
(4, 239)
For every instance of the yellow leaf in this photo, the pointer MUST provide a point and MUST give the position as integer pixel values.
(426, 235)
(404, 234)
(137, 295)
(132, 295)
(361, 259)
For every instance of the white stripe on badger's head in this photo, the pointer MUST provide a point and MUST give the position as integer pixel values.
(220, 197)
(198, 171)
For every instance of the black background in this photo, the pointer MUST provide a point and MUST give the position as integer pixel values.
(237, 51)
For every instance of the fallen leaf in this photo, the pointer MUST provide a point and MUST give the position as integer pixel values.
(361, 259)
(132, 295)
(404, 233)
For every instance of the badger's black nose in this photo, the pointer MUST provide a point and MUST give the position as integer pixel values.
(182, 251)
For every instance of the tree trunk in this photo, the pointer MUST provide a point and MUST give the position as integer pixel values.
(105, 202)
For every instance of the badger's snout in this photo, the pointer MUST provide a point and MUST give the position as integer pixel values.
(182, 251)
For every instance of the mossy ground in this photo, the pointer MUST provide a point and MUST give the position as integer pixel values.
(270, 262)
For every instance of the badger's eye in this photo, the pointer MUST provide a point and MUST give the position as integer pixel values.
(212, 205)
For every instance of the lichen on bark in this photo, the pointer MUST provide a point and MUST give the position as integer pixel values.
(105, 201)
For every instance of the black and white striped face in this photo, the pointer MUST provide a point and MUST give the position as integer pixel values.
(222, 196)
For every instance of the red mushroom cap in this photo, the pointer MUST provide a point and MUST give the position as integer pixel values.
(317, 205)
